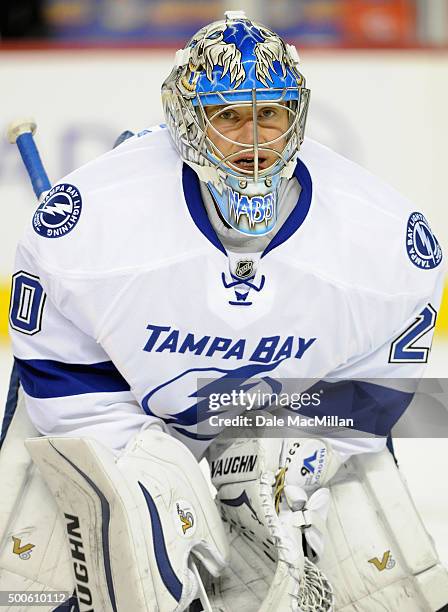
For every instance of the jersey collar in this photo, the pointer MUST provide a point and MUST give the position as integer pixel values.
(196, 208)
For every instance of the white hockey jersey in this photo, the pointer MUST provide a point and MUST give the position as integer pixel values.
(124, 297)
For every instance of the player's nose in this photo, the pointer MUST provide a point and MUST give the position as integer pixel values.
(247, 134)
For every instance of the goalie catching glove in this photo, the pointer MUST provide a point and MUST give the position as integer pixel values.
(270, 496)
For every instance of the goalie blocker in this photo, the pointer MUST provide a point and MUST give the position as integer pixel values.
(363, 532)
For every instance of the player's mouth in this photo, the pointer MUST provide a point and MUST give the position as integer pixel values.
(246, 161)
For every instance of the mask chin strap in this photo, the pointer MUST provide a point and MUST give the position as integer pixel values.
(252, 210)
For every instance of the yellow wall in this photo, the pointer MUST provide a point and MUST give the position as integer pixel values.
(442, 319)
(441, 327)
(4, 307)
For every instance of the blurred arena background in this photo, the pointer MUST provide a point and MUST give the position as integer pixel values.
(88, 69)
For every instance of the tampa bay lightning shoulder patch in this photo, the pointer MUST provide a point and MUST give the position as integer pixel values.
(422, 246)
(59, 212)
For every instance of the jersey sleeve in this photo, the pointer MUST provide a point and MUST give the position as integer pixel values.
(375, 388)
(71, 386)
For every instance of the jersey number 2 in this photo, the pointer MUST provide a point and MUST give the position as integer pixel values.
(27, 303)
(403, 349)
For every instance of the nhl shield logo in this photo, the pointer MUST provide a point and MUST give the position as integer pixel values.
(244, 268)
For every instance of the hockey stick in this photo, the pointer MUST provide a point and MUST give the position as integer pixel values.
(21, 133)
(202, 593)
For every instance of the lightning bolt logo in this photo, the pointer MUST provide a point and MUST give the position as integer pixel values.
(57, 208)
(59, 213)
(423, 248)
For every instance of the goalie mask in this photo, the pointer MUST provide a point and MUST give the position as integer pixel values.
(236, 104)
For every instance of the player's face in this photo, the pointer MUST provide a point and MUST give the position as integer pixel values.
(237, 124)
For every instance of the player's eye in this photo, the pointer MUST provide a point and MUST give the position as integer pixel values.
(267, 113)
(227, 115)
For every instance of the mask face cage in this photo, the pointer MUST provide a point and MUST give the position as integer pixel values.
(290, 138)
(194, 132)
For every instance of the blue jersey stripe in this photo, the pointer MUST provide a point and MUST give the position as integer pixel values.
(299, 212)
(44, 378)
(196, 208)
(373, 407)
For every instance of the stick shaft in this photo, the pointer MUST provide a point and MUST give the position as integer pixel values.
(33, 163)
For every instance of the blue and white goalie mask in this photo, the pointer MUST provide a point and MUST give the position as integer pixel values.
(236, 105)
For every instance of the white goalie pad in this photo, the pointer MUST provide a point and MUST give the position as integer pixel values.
(134, 520)
(378, 554)
(33, 546)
